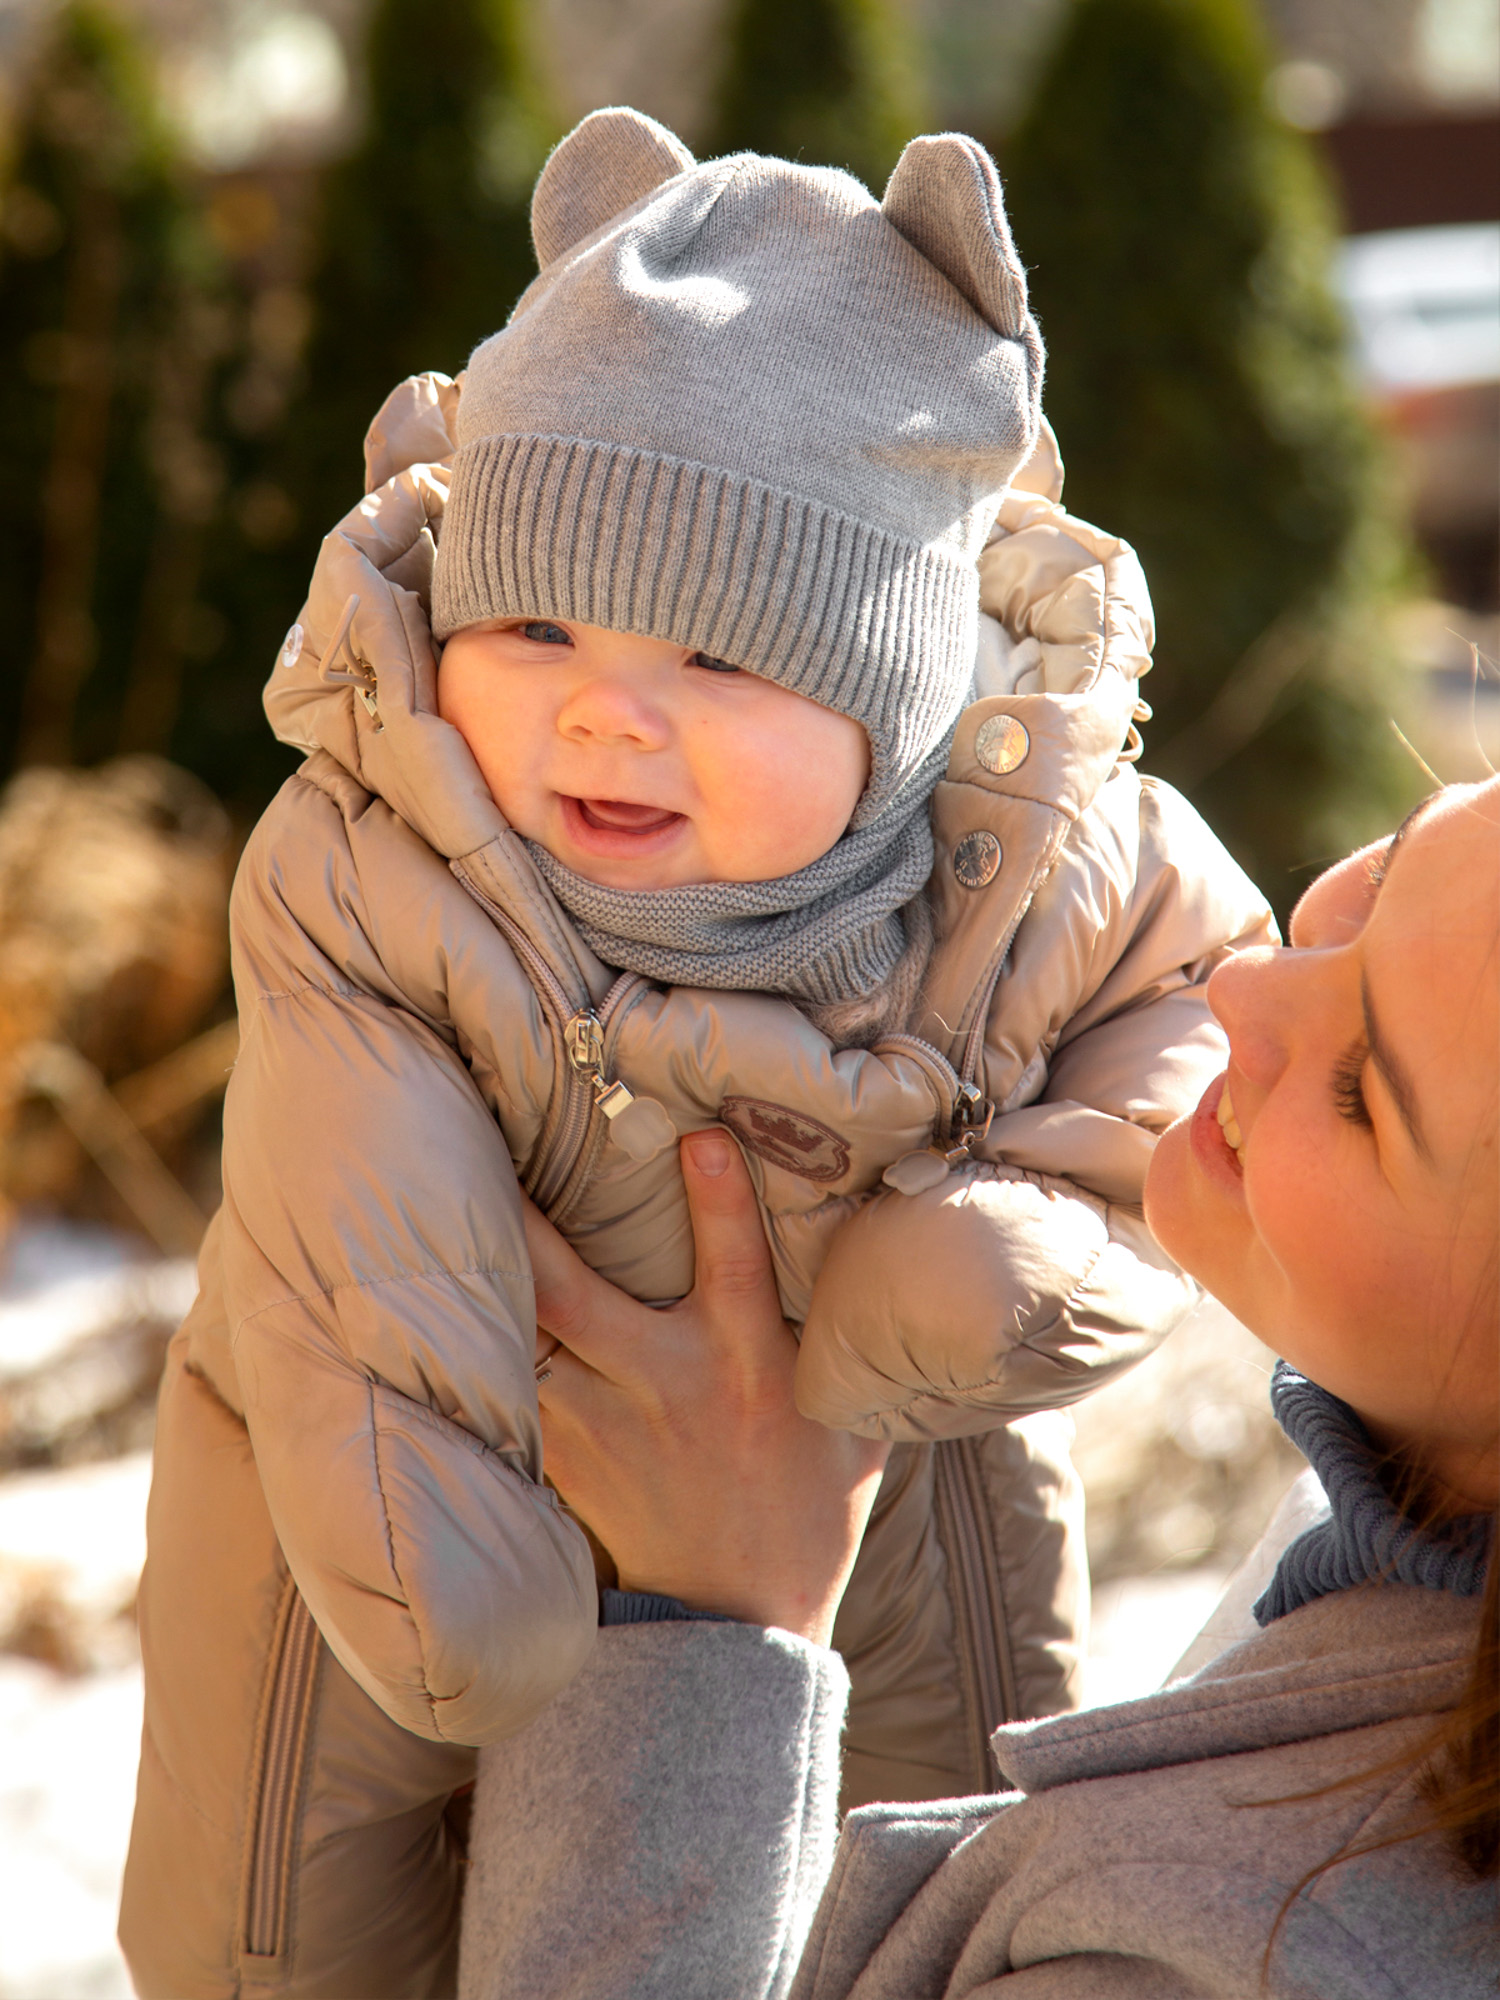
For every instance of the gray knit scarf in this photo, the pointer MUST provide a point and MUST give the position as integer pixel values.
(1366, 1538)
(829, 932)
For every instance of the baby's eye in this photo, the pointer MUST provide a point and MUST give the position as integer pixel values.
(544, 633)
(713, 666)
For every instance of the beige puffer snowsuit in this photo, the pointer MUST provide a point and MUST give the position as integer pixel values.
(355, 1572)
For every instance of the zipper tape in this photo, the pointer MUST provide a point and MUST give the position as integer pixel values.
(982, 1640)
(584, 1096)
(285, 1741)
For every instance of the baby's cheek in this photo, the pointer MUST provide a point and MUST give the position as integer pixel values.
(767, 822)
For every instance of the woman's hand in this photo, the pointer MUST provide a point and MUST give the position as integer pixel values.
(673, 1434)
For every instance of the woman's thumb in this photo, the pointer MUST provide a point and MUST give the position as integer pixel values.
(732, 1257)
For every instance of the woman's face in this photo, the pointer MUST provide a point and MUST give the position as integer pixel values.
(1338, 1187)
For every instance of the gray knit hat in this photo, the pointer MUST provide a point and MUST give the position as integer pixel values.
(748, 409)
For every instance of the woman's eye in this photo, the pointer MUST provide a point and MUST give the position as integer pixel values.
(1349, 1088)
(713, 666)
(545, 634)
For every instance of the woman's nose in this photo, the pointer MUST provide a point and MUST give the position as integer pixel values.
(1250, 997)
(1277, 1003)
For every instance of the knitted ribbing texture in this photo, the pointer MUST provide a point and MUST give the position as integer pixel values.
(1366, 1539)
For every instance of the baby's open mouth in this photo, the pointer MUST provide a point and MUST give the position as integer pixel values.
(621, 816)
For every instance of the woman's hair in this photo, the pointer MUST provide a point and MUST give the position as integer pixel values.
(1461, 1785)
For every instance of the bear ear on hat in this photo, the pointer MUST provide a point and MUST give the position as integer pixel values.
(944, 197)
(606, 163)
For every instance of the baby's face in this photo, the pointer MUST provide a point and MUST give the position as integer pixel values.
(642, 765)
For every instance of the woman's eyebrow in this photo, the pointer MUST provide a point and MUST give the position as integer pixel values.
(1383, 866)
(1393, 1072)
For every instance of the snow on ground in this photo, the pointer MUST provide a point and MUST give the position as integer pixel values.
(67, 1786)
(79, 1536)
(63, 1282)
(68, 1742)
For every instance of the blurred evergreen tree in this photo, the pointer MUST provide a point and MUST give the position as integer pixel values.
(109, 329)
(425, 239)
(422, 247)
(827, 82)
(1179, 238)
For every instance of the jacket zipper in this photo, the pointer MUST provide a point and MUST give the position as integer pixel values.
(964, 1112)
(278, 1787)
(982, 1639)
(580, 1035)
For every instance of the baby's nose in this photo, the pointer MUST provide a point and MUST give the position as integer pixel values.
(614, 709)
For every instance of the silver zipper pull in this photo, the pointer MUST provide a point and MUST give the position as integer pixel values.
(915, 1173)
(585, 1039)
(973, 1114)
(585, 1035)
(648, 1130)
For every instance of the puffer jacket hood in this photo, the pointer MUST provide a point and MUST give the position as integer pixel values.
(356, 1571)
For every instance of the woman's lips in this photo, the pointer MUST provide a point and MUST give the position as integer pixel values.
(618, 827)
(1211, 1149)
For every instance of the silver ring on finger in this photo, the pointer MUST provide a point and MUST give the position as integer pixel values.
(543, 1369)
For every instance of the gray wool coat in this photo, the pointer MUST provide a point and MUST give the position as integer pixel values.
(664, 1829)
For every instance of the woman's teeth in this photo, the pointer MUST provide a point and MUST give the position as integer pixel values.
(1229, 1124)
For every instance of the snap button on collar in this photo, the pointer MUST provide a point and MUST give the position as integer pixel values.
(976, 860)
(291, 647)
(1001, 744)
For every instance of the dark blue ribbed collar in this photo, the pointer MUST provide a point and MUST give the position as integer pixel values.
(1366, 1537)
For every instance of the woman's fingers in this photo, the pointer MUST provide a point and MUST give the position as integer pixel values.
(735, 1286)
(674, 1433)
(732, 1260)
(574, 1304)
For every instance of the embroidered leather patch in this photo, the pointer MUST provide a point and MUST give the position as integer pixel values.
(788, 1139)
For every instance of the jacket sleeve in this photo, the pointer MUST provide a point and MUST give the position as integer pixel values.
(665, 1828)
(382, 1317)
(1026, 1281)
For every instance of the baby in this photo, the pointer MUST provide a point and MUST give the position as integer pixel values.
(776, 773)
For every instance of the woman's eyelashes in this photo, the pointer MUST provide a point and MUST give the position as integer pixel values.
(712, 665)
(1349, 1087)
